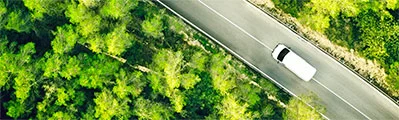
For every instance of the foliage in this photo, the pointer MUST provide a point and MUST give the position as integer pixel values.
(3, 8)
(17, 21)
(393, 78)
(145, 109)
(368, 27)
(222, 74)
(118, 8)
(230, 109)
(298, 110)
(40, 8)
(107, 106)
(65, 39)
(93, 59)
(153, 26)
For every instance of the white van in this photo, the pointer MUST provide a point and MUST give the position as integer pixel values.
(293, 62)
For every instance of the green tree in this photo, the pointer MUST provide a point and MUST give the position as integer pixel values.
(202, 99)
(146, 109)
(20, 67)
(97, 71)
(71, 69)
(166, 77)
(65, 39)
(18, 21)
(392, 4)
(7, 62)
(153, 26)
(3, 9)
(40, 7)
(317, 13)
(107, 106)
(118, 41)
(61, 115)
(53, 64)
(233, 110)
(118, 8)
(393, 75)
(128, 83)
(88, 22)
(297, 109)
(222, 73)
(15, 109)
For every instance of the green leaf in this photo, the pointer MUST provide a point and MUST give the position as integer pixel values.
(62, 97)
(71, 69)
(65, 39)
(146, 109)
(15, 109)
(107, 106)
(118, 8)
(189, 80)
(118, 41)
(22, 84)
(153, 26)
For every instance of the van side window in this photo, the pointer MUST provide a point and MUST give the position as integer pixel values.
(282, 54)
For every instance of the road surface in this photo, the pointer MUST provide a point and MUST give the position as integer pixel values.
(250, 35)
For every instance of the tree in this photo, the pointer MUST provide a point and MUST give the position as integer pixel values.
(128, 83)
(40, 7)
(233, 110)
(87, 21)
(393, 76)
(247, 93)
(91, 3)
(3, 9)
(65, 39)
(318, 12)
(146, 109)
(297, 109)
(17, 21)
(71, 69)
(107, 106)
(198, 61)
(202, 99)
(118, 40)
(15, 109)
(118, 8)
(167, 76)
(374, 33)
(97, 71)
(7, 63)
(61, 115)
(19, 73)
(222, 74)
(153, 26)
(53, 64)
(392, 4)
(22, 85)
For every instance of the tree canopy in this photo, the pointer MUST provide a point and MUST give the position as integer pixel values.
(119, 59)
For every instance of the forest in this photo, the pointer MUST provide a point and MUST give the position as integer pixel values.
(368, 27)
(125, 59)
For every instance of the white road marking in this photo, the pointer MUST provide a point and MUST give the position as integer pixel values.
(342, 99)
(235, 25)
(329, 57)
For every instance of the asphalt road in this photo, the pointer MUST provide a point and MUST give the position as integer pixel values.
(250, 35)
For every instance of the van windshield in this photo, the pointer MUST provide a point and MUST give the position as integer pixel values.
(282, 54)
